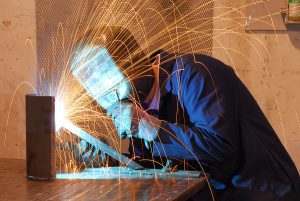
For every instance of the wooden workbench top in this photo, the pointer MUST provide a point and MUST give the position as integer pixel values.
(15, 186)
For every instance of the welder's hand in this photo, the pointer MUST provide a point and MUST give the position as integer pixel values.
(121, 114)
(132, 121)
(148, 128)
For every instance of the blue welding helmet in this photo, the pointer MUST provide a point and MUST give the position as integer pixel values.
(111, 66)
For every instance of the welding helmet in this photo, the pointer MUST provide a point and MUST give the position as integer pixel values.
(111, 66)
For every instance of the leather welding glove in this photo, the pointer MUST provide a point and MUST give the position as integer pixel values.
(121, 114)
(132, 121)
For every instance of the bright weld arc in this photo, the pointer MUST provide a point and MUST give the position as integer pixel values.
(59, 115)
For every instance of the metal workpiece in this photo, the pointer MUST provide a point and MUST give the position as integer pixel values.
(40, 137)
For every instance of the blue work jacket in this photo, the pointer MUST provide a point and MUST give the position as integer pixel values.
(210, 117)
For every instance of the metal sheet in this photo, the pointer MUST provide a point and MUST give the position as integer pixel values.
(100, 145)
(128, 173)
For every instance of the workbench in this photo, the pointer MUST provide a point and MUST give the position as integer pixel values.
(15, 186)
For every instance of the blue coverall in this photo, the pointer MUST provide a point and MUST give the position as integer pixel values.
(210, 116)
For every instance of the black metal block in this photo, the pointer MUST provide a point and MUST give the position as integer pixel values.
(40, 137)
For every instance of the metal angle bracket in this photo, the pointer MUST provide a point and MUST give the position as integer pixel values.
(101, 145)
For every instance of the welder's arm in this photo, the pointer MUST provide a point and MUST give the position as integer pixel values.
(194, 143)
(211, 111)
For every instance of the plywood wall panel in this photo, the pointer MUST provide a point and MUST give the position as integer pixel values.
(17, 65)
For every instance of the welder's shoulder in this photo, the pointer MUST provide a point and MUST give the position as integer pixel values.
(202, 65)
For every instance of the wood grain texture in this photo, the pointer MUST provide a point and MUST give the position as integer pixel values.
(15, 186)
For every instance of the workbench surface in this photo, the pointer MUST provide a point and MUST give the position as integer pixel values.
(15, 186)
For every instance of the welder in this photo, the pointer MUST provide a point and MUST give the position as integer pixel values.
(186, 107)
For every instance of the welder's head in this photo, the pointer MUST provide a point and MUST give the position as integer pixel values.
(111, 66)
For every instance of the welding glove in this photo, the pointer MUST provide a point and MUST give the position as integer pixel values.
(122, 119)
(132, 121)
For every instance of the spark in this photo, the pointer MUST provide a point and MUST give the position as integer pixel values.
(157, 25)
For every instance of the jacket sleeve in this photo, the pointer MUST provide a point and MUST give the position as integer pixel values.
(209, 100)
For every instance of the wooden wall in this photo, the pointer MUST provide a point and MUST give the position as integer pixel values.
(17, 64)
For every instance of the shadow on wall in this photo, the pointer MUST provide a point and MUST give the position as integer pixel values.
(295, 38)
